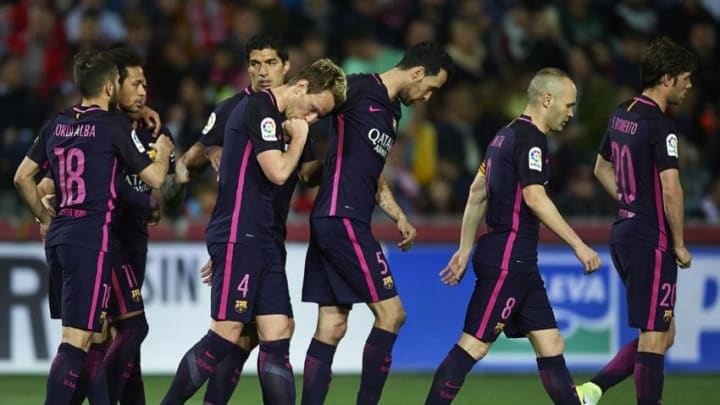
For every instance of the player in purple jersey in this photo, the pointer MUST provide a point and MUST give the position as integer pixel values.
(268, 63)
(81, 147)
(509, 295)
(345, 264)
(638, 166)
(240, 237)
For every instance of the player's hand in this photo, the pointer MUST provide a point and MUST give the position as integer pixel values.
(163, 144)
(44, 230)
(296, 128)
(182, 174)
(154, 217)
(682, 257)
(206, 273)
(48, 201)
(408, 233)
(151, 118)
(453, 273)
(588, 257)
(214, 154)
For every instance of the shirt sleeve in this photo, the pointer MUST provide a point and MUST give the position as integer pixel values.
(605, 150)
(129, 148)
(665, 145)
(263, 125)
(308, 154)
(214, 130)
(531, 159)
(171, 166)
(37, 152)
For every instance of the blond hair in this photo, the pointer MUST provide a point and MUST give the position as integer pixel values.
(323, 75)
(546, 81)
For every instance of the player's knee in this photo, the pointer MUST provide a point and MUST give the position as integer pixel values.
(332, 332)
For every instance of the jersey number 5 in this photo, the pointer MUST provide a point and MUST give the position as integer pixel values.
(71, 165)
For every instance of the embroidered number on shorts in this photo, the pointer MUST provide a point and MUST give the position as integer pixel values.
(509, 304)
(668, 295)
(243, 286)
(382, 261)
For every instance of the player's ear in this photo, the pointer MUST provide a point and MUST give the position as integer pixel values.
(667, 80)
(301, 86)
(417, 73)
(546, 100)
(286, 67)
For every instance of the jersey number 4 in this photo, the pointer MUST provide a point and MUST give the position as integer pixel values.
(71, 165)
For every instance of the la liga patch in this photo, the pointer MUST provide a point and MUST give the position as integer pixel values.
(535, 159)
(210, 124)
(268, 129)
(671, 143)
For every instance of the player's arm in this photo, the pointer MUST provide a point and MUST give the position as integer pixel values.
(151, 118)
(475, 208)
(673, 206)
(27, 188)
(541, 205)
(386, 202)
(46, 190)
(310, 173)
(605, 173)
(277, 165)
(154, 173)
(194, 158)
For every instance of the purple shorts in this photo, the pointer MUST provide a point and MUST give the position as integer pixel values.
(127, 277)
(345, 264)
(650, 277)
(513, 302)
(79, 287)
(247, 281)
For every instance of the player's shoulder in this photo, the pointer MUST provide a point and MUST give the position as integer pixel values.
(227, 105)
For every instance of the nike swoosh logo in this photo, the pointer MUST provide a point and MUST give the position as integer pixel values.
(208, 354)
(451, 385)
(373, 109)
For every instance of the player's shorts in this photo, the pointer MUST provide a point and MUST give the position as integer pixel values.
(79, 287)
(127, 278)
(514, 302)
(345, 264)
(247, 281)
(650, 277)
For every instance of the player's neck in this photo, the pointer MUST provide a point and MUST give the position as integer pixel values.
(282, 95)
(536, 117)
(98, 101)
(393, 80)
(657, 96)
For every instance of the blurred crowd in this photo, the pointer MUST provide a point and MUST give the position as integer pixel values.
(194, 59)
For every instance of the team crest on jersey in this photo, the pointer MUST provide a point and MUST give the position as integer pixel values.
(535, 159)
(671, 142)
(136, 295)
(241, 306)
(388, 282)
(268, 129)
(210, 123)
(668, 315)
(499, 327)
(137, 142)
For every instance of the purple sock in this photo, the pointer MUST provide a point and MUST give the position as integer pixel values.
(120, 357)
(619, 368)
(224, 379)
(317, 374)
(275, 372)
(196, 366)
(377, 359)
(449, 377)
(134, 392)
(64, 374)
(557, 381)
(649, 378)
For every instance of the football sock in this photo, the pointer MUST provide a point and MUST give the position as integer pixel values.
(94, 369)
(134, 392)
(275, 372)
(619, 368)
(377, 359)
(557, 381)
(449, 376)
(121, 355)
(649, 378)
(196, 366)
(317, 374)
(224, 379)
(64, 374)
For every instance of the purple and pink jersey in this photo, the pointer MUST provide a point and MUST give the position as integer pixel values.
(244, 210)
(641, 142)
(81, 147)
(516, 157)
(362, 134)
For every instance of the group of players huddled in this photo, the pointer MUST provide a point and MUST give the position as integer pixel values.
(109, 167)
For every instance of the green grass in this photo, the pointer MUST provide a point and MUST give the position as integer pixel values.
(410, 389)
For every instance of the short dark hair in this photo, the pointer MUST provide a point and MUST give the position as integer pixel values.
(124, 58)
(91, 70)
(430, 55)
(258, 42)
(663, 56)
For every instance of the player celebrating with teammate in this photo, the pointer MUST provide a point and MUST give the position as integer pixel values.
(345, 264)
(638, 166)
(509, 294)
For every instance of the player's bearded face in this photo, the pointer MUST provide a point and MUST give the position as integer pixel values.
(422, 89)
(266, 69)
(132, 94)
(680, 86)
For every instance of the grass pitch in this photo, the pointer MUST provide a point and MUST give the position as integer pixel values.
(410, 389)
